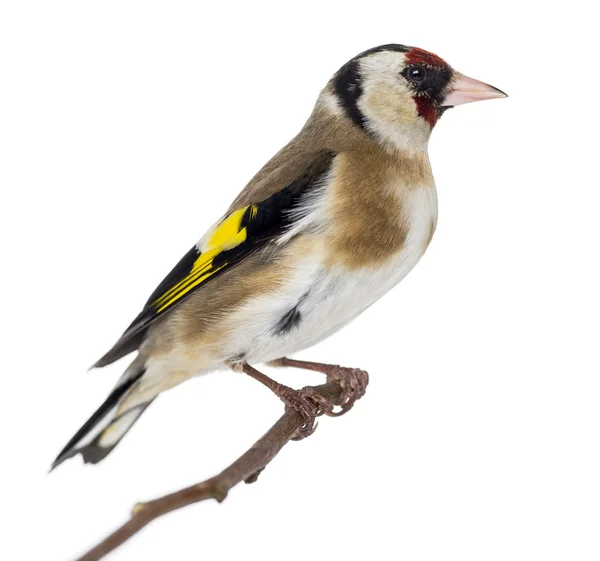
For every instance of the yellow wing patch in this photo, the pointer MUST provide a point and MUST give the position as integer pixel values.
(226, 235)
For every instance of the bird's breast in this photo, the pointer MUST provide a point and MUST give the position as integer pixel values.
(342, 274)
(379, 215)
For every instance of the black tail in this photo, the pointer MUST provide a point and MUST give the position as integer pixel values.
(87, 439)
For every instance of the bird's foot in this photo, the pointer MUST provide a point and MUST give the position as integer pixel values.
(308, 403)
(353, 381)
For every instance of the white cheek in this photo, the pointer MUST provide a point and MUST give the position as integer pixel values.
(391, 115)
(386, 101)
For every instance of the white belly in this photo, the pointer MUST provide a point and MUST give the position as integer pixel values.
(324, 297)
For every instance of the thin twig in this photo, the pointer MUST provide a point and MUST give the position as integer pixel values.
(245, 468)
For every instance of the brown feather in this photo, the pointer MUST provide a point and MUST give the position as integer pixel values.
(324, 133)
(198, 323)
(369, 225)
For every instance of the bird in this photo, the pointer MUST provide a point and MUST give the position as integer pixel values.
(329, 224)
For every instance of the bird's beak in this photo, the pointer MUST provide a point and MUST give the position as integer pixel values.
(466, 90)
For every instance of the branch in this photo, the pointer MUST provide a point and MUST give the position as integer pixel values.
(246, 468)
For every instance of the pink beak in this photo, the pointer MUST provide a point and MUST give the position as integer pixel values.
(466, 90)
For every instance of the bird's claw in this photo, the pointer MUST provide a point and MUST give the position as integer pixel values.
(310, 404)
(353, 382)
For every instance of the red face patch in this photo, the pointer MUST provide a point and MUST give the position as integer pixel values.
(419, 56)
(425, 106)
(426, 110)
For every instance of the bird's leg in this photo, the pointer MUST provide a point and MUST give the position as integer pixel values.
(352, 380)
(306, 401)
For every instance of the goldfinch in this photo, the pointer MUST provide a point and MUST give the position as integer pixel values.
(332, 222)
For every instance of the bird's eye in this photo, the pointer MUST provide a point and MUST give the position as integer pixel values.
(416, 74)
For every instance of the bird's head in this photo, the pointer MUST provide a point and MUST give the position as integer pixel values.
(396, 94)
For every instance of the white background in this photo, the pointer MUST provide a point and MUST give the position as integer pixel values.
(126, 128)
